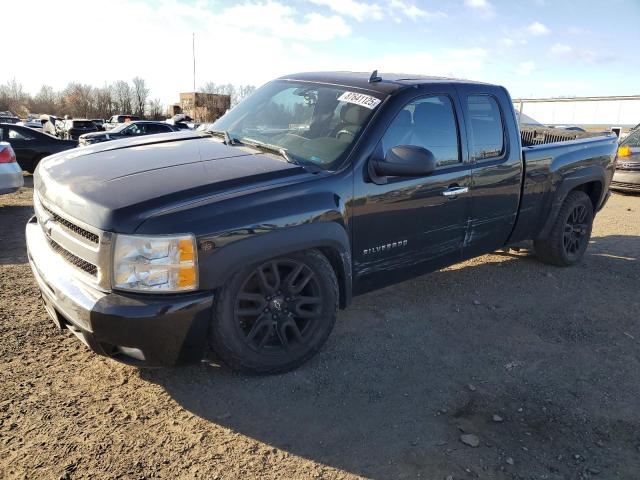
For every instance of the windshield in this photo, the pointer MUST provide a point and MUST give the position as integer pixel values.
(315, 124)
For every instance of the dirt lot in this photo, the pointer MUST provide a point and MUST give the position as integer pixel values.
(408, 370)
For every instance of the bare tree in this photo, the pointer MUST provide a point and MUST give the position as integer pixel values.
(81, 100)
(103, 102)
(155, 109)
(13, 97)
(123, 97)
(140, 95)
(237, 93)
(77, 100)
(243, 91)
(45, 101)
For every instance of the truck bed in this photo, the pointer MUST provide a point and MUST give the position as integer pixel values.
(539, 135)
(556, 157)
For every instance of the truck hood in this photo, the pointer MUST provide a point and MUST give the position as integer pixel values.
(115, 186)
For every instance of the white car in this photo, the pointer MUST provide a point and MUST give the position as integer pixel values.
(10, 172)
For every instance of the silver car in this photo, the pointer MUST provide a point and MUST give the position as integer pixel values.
(10, 172)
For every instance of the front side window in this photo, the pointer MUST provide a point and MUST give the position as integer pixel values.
(316, 124)
(487, 134)
(430, 123)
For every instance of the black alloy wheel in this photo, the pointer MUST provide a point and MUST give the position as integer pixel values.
(274, 316)
(278, 305)
(576, 232)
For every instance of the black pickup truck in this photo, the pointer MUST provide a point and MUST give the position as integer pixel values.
(245, 240)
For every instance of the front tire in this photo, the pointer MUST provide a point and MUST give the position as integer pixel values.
(274, 316)
(569, 238)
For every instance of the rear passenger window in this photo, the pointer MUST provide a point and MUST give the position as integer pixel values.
(430, 123)
(487, 135)
(18, 135)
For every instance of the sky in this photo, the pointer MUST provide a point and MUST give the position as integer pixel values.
(535, 48)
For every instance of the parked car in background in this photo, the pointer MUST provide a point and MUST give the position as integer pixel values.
(246, 240)
(127, 130)
(8, 117)
(626, 177)
(182, 122)
(116, 120)
(10, 172)
(31, 146)
(32, 123)
(78, 126)
(98, 123)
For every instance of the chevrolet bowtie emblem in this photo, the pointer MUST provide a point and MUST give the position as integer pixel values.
(48, 225)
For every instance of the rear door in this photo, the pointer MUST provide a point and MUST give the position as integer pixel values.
(496, 167)
(410, 225)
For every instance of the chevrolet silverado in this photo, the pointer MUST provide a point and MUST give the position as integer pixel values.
(245, 240)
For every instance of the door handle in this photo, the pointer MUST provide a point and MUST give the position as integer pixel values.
(455, 191)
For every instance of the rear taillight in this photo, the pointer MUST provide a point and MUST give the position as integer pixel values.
(7, 155)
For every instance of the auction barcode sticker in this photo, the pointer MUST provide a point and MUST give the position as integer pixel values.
(361, 99)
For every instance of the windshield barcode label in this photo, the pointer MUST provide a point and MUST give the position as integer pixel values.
(361, 99)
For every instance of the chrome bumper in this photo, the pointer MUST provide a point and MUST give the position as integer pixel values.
(59, 281)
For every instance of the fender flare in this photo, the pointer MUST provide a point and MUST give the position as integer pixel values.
(571, 182)
(329, 237)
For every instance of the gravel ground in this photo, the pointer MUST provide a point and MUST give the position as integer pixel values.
(539, 366)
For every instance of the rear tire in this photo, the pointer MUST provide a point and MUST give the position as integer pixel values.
(569, 237)
(274, 316)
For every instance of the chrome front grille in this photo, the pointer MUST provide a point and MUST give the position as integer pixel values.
(77, 262)
(92, 237)
(85, 248)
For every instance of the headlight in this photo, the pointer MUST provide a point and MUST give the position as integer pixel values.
(155, 263)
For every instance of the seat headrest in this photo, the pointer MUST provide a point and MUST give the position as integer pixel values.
(428, 112)
(354, 114)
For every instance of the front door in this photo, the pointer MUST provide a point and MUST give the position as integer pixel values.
(410, 226)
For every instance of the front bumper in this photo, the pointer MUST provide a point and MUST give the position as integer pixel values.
(626, 180)
(144, 330)
(10, 177)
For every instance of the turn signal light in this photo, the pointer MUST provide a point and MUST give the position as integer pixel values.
(624, 151)
(185, 247)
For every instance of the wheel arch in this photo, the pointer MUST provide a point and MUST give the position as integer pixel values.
(590, 181)
(330, 238)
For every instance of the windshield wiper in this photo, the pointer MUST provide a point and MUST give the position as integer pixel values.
(228, 139)
(273, 149)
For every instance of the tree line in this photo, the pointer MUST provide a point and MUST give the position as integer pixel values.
(80, 100)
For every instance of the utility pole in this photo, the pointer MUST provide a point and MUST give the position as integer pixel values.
(193, 50)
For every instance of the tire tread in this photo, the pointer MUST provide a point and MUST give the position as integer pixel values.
(550, 250)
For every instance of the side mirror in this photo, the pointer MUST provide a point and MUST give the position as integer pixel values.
(405, 161)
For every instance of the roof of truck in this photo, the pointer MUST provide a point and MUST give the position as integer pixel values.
(389, 82)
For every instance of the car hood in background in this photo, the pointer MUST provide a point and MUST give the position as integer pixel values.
(93, 135)
(117, 185)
